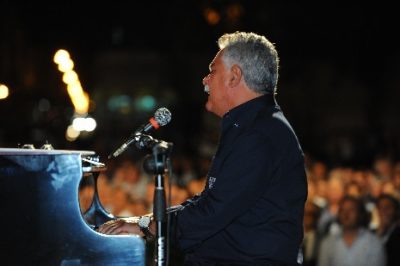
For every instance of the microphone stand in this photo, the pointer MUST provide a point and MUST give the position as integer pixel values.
(156, 164)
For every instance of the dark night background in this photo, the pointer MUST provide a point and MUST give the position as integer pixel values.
(339, 71)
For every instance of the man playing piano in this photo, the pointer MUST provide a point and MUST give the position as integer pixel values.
(251, 209)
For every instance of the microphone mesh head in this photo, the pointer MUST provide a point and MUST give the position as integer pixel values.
(162, 116)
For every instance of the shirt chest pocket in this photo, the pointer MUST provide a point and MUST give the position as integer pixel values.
(213, 172)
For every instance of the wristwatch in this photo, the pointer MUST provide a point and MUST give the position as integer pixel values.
(144, 225)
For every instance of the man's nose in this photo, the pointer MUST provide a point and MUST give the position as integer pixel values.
(205, 80)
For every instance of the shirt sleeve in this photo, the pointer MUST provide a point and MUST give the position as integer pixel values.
(241, 176)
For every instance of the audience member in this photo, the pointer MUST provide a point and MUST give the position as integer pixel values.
(354, 244)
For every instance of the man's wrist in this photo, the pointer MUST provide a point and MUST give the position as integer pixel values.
(144, 225)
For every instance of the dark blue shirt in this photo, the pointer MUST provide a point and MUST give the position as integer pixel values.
(251, 210)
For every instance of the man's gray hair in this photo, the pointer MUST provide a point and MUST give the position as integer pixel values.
(255, 55)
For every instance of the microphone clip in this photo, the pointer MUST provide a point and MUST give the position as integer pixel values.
(150, 143)
(143, 141)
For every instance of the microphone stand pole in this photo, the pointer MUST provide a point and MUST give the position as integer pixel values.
(156, 164)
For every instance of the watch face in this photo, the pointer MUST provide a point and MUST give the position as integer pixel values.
(144, 221)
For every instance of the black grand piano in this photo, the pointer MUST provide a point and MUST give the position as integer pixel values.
(41, 222)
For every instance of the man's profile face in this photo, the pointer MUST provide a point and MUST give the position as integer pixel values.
(216, 80)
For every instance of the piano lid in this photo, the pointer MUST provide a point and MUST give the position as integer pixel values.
(19, 151)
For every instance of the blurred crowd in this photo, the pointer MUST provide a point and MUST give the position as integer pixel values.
(351, 215)
(125, 189)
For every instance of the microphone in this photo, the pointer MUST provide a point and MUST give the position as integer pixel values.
(161, 117)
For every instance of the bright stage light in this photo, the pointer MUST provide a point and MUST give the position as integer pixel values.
(66, 65)
(84, 124)
(71, 134)
(4, 92)
(70, 77)
(61, 56)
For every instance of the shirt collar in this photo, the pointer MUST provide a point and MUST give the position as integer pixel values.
(243, 114)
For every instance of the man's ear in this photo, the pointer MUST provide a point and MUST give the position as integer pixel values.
(235, 76)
